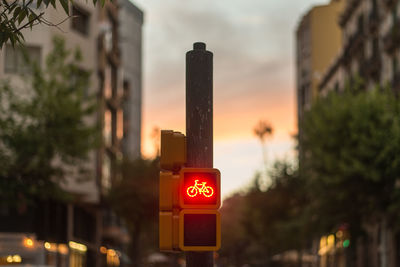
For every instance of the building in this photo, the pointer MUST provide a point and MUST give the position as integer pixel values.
(369, 53)
(130, 32)
(368, 56)
(318, 41)
(85, 231)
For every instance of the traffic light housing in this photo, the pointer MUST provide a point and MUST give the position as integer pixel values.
(189, 199)
(173, 150)
(199, 230)
(199, 219)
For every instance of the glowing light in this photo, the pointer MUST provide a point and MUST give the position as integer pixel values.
(28, 242)
(63, 249)
(322, 242)
(9, 258)
(50, 246)
(346, 243)
(331, 240)
(77, 246)
(112, 257)
(111, 253)
(16, 258)
(47, 245)
(200, 189)
(103, 250)
(339, 234)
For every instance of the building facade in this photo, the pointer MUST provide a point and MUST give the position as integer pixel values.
(318, 41)
(369, 53)
(130, 32)
(84, 231)
(368, 56)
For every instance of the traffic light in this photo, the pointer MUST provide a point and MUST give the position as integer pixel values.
(189, 219)
(200, 188)
(199, 219)
(173, 156)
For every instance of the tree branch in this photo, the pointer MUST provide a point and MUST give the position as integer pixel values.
(29, 22)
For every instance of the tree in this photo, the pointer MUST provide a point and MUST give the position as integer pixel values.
(263, 130)
(44, 133)
(16, 15)
(135, 199)
(271, 221)
(351, 145)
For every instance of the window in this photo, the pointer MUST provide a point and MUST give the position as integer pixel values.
(16, 59)
(80, 20)
(106, 174)
(120, 124)
(107, 128)
(107, 82)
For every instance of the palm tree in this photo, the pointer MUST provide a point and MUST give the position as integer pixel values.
(263, 130)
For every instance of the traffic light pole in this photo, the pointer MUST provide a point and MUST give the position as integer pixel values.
(199, 124)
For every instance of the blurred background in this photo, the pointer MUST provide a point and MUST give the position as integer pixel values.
(306, 129)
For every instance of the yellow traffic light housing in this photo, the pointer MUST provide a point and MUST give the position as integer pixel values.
(173, 150)
(199, 230)
(188, 200)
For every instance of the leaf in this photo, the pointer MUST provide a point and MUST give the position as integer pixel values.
(65, 5)
(22, 16)
(39, 2)
(16, 12)
(31, 17)
(53, 3)
(12, 7)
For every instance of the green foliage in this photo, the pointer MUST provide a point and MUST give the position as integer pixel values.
(351, 145)
(44, 134)
(17, 15)
(264, 223)
(135, 199)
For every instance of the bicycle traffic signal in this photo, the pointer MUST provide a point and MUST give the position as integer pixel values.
(189, 199)
(200, 188)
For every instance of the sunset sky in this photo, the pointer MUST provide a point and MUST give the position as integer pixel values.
(254, 56)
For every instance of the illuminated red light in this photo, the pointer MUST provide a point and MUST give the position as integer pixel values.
(200, 188)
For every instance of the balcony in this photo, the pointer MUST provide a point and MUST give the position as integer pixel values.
(371, 68)
(353, 46)
(348, 11)
(373, 22)
(391, 40)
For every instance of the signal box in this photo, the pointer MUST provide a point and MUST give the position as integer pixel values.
(173, 150)
(199, 230)
(199, 219)
(200, 188)
(189, 199)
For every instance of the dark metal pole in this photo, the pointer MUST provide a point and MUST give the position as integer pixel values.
(199, 124)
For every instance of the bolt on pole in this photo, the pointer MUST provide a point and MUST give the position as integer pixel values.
(199, 124)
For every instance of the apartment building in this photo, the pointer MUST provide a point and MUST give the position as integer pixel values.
(130, 32)
(369, 51)
(368, 56)
(85, 231)
(318, 41)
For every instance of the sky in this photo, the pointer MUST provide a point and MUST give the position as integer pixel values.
(254, 76)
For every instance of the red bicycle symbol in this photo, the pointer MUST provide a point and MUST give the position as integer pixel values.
(200, 188)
